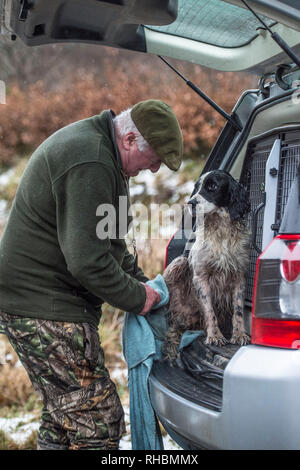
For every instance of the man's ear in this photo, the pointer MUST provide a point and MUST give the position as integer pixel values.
(128, 139)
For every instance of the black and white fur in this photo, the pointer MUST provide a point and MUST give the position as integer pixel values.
(207, 287)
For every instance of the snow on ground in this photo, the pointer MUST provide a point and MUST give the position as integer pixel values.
(6, 177)
(19, 429)
(125, 443)
(3, 212)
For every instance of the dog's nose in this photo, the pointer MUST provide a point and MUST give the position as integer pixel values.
(192, 206)
(193, 201)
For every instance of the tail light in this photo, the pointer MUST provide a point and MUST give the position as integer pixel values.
(276, 298)
(167, 248)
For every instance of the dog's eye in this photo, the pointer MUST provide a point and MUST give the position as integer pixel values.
(211, 186)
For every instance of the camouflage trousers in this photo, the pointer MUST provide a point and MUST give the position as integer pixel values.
(65, 363)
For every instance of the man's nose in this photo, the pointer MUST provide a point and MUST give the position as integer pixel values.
(155, 168)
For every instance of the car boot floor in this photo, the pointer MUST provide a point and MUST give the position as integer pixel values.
(197, 375)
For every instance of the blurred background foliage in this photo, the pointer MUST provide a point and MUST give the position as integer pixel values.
(49, 86)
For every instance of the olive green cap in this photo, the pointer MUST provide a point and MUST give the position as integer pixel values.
(158, 125)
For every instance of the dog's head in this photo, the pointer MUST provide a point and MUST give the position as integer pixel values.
(217, 189)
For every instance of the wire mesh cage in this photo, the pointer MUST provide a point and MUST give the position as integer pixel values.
(5, 9)
(253, 177)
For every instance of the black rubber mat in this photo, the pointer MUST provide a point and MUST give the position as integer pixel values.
(180, 382)
(198, 375)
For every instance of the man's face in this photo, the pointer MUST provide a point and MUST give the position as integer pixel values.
(133, 160)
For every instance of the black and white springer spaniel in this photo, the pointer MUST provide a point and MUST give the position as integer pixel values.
(207, 287)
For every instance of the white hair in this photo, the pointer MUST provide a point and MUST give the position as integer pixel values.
(125, 124)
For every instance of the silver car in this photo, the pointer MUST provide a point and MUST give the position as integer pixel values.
(229, 397)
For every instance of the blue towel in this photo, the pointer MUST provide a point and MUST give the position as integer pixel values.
(141, 347)
(188, 337)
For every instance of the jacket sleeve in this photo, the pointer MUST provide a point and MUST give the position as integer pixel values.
(78, 193)
(128, 264)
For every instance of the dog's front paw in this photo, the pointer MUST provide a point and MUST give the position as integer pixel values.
(216, 338)
(240, 338)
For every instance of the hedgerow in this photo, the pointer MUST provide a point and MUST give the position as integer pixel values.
(29, 116)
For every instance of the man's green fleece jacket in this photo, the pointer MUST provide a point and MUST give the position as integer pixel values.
(52, 263)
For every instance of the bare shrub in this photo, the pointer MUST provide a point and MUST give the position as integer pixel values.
(31, 116)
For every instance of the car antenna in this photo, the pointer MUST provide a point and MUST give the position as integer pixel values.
(276, 37)
(230, 118)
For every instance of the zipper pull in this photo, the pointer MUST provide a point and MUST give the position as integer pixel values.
(135, 262)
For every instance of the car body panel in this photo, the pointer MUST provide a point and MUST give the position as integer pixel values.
(109, 23)
(254, 56)
(158, 27)
(260, 404)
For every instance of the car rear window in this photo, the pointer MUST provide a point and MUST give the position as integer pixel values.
(214, 22)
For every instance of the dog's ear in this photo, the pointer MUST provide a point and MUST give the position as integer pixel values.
(239, 204)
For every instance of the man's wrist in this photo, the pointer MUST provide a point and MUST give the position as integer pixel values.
(152, 299)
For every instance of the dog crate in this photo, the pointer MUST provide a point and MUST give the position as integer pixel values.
(269, 169)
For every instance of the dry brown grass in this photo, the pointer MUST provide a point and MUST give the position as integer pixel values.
(152, 256)
(15, 386)
(110, 330)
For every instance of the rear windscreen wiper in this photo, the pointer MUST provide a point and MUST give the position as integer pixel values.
(276, 37)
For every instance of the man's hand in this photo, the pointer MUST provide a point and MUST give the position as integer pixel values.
(152, 298)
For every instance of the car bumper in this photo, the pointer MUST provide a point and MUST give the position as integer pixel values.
(260, 410)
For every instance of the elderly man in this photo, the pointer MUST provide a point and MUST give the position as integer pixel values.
(55, 272)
